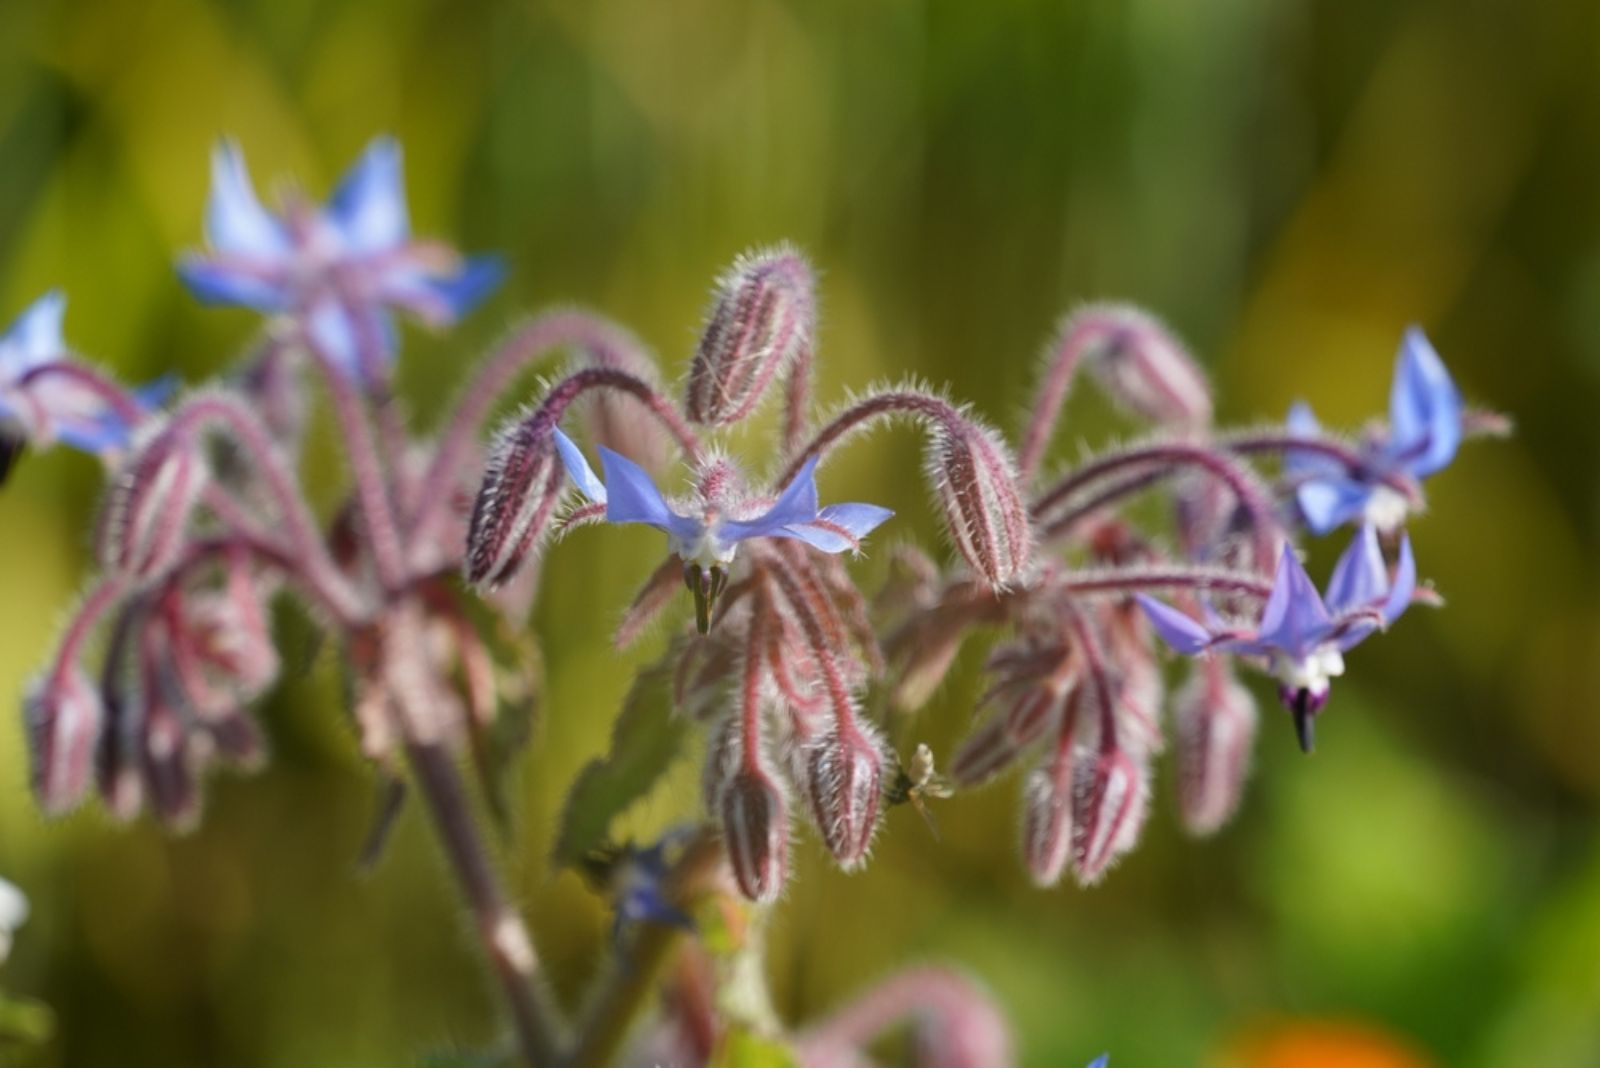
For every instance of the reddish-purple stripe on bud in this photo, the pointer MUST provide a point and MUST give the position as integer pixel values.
(842, 786)
(755, 830)
(761, 320)
(63, 715)
(1047, 819)
(168, 762)
(1145, 369)
(976, 484)
(1110, 800)
(1214, 719)
(522, 485)
(148, 508)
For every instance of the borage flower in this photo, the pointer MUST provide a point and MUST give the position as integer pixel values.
(1301, 637)
(46, 396)
(338, 268)
(705, 531)
(1424, 431)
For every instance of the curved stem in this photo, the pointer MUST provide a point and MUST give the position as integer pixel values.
(903, 402)
(89, 613)
(116, 396)
(1124, 582)
(1250, 444)
(1071, 343)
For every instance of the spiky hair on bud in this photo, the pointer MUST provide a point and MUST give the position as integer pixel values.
(522, 484)
(147, 509)
(976, 486)
(63, 714)
(839, 775)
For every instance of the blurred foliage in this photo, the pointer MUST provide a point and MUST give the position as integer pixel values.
(1288, 182)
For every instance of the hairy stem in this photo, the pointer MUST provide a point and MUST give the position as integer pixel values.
(1140, 580)
(1066, 353)
(887, 405)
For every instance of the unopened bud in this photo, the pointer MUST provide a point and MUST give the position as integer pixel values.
(761, 320)
(1144, 368)
(1110, 800)
(843, 786)
(755, 829)
(63, 716)
(522, 484)
(148, 508)
(976, 482)
(1215, 722)
(1047, 820)
(168, 762)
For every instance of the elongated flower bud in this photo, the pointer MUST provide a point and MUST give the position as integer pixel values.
(148, 509)
(755, 828)
(1147, 370)
(1215, 723)
(522, 484)
(843, 785)
(1110, 800)
(1047, 820)
(976, 484)
(168, 762)
(63, 717)
(761, 321)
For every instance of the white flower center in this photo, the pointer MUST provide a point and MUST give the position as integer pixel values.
(1312, 673)
(1386, 510)
(704, 548)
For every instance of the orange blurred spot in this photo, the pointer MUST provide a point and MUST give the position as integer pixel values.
(1321, 1044)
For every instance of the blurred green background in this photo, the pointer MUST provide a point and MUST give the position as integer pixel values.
(1289, 183)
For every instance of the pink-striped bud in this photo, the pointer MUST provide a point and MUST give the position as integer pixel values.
(1144, 368)
(168, 761)
(842, 786)
(761, 320)
(755, 830)
(976, 483)
(63, 715)
(1047, 819)
(1110, 799)
(148, 508)
(1215, 722)
(522, 484)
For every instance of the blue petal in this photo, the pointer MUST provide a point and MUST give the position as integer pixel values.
(1328, 503)
(578, 468)
(217, 283)
(1176, 629)
(330, 326)
(1100, 1061)
(236, 223)
(1295, 619)
(1360, 577)
(1301, 423)
(796, 504)
(35, 336)
(632, 497)
(1405, 582)
(479, 276)
(859, 519)
(1424, 408)
(369, 204)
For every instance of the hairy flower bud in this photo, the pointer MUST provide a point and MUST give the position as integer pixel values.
(1110, 799)
(1215, 723)
(976, 484)
(755, 829)
(842, 785)
(1047, 819)
(148, 508)
(761, 320)
(522, 484)
(1145, 369)
(63, 716)
(168, 761)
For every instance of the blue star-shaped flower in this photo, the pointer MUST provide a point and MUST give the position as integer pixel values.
(46, 397)
(1302, 637)
(707, 537)
(338, 268)
(1425, 413)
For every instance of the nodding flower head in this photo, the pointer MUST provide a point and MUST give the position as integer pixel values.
(337, 268)
(1301, 637)
(46, 397)
(1424, 431)
(706, 530)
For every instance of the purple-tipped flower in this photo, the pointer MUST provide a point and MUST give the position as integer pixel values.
(706, 532)
(1425, 429)
(638, 878)
(976, 483)
(64, 716)
(755, 829)
(1302, 638)
(339, 268)
(760, 323)
(45, 397)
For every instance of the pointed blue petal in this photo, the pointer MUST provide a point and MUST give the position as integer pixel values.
(35, 336)
(1424, 408)
(1176, 629)
(859, 519)
(1295, 618)
(369, 205)
(1360, 577)
(461, 292)
(154, 394)
(631, 495)
(1100, 1061)
(1328, 503)
(1303, 424)
(236, 223)
(331, 328)
(578, 468)
(213, 282)
(1405, 582)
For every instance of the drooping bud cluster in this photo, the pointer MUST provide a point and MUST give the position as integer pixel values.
(760, 326)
